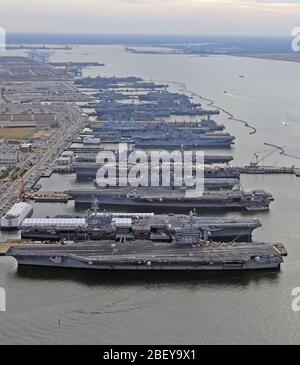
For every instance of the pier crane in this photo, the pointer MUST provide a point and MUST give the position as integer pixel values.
(256, 168)
(40, 56)
(266, 154)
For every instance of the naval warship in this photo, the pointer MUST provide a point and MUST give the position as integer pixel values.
(133, 128)
(137, 226)
(163, 135)
(174, 200)
(160, 138)
(185, 253)
(208, 159)
(89, 170)
(186, 139)
(209, 184)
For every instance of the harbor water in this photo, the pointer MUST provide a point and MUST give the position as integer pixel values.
(77, 307)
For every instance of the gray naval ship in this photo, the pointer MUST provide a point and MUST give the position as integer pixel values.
(215, 178)
(133, 128)
(137, 226)
(209, 184)
(185, 139)
(185, 253)
(208, 159)
(168, 139)
(174, 200)
(163, 135)
(88, 170)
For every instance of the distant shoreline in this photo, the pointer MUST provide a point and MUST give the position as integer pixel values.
(288, 57)
(171, 50)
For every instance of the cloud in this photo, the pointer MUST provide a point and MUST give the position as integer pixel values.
(247, 2)
(266, 17)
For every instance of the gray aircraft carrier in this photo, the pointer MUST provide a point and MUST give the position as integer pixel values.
(209, 184)
(87, 170)
(180, 199)
(208, 159)
(184, 254)
(128, 227)
(131, 128)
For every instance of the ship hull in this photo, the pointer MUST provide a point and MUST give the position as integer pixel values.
(91, 158)
(177, 144)
(222, 234)
(218, 178)
(145, 256)
(110, 266)
(159, 206)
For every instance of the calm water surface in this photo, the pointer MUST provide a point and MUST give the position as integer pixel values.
(220, 308)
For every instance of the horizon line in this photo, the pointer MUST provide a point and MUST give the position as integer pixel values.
(145, 35)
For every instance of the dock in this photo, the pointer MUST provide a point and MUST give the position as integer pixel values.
(268, 170)
(77, 64)
(49, 197)
(63, 169)
(85, 149)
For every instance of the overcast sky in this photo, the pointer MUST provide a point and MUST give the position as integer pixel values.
(246, 17)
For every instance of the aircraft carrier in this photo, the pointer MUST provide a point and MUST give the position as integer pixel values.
(170, 140)
(132, 128)
(161, 135)
(89, 170)
(175, 199)
(128, 227)
(174, 139)
(209, 184)
(186, 253)
(208, 159)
